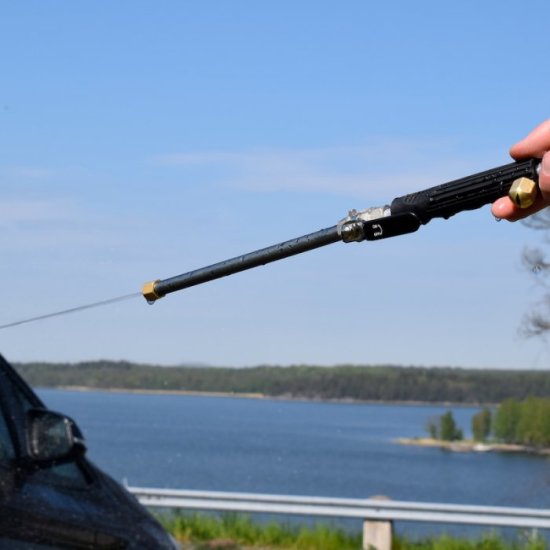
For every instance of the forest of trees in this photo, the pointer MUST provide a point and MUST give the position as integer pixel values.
(525, 422)
(363, 383)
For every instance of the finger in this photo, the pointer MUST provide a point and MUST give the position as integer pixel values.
(505, 209)
(544, 177)
(535, 144)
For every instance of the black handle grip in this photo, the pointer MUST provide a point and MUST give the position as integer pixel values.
(466, 193)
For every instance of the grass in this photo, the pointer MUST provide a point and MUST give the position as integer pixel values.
(236, 531)
(239, 532)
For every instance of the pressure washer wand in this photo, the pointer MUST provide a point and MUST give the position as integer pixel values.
(404, 215)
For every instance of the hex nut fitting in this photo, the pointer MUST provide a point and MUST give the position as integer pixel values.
(523, 192)
(148, 291)
(352, 231)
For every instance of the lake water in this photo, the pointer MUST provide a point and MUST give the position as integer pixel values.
(293, 447)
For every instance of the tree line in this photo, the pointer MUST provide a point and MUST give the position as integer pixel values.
(365, 383)
(523, 422)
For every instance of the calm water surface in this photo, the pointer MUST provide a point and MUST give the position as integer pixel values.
(291, 447)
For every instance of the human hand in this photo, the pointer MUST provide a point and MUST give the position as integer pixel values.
(536, 144)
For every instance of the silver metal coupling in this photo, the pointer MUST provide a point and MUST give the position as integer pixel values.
(350, 228)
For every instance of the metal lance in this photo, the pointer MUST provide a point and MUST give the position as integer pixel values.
(157, 289)
(404, 215)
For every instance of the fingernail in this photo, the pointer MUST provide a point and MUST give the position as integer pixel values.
(545, 165)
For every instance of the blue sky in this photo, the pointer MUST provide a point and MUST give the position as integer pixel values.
(140, 140)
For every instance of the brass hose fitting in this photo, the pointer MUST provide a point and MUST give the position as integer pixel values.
(149, 293)
(523, 192)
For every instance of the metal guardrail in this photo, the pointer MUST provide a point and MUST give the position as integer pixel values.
(371, 510)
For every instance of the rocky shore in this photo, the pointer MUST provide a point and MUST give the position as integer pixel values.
(466, 446)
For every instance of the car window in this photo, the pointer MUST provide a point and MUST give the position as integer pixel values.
(67, 474)
(24, 402)
(15, 400)
(7, 450)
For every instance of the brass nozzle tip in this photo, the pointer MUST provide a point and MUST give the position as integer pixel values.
(148, 291)
(523, 192)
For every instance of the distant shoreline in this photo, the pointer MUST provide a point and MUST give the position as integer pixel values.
(158, 392)
(467, 446)
(258, 395)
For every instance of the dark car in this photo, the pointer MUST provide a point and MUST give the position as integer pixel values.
(51, 495)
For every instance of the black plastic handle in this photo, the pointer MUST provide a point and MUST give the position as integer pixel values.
(469, 193)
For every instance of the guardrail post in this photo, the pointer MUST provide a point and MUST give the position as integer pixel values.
(377, 535)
